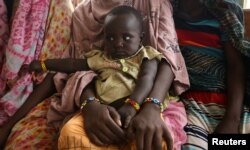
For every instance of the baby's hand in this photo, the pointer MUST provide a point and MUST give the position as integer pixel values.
(127, 112)
(35, 66)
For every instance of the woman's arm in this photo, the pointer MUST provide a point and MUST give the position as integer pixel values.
(235, 91)
(148, 124)
(68, 65)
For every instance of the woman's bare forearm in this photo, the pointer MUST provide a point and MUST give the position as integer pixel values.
(235, 82)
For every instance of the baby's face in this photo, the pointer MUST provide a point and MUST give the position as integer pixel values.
(122, 35)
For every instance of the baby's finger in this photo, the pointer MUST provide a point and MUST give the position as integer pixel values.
(127, 121)
(115, 116)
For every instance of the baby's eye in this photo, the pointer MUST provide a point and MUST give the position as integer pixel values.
(110, 38)
(126, 38)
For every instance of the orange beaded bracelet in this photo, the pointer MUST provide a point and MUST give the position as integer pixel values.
(44, 68)
(133, 103)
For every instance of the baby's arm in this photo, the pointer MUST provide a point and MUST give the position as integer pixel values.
(67, 65)
(235, 91)
(143, 86)
(145, 80)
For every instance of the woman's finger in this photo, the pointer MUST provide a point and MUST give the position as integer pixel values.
(103, 137)
(94, 139)
(102, 126)
(106, 130)
(157, 141)
(113, 126)
(168, 138)
(127, 121)
(140, 138)
(148, 139)
(115, 115)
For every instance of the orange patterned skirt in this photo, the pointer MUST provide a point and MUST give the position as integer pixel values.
(32, 132)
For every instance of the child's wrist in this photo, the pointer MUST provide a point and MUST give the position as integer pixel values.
(151, 107)
(43, 66)
(89, 100)
(156, 102)
(133, 103)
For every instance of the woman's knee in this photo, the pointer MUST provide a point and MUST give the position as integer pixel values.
(74, 126)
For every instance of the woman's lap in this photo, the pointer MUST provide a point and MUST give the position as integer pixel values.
(73, 136)
(32, 132)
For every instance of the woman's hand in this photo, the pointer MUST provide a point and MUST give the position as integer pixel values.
(228, 125)
(102, 124)
(126, 112)
(149, 130)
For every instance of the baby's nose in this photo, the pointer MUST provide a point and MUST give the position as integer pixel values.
(119, 43)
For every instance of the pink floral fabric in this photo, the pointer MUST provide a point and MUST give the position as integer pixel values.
(26, 36)
(24, 45)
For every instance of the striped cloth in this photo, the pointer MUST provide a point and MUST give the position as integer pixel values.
(201, 46)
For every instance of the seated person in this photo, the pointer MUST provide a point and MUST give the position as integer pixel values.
(213, 53)
(126, 73)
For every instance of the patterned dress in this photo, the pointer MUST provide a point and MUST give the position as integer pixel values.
(201, 43)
